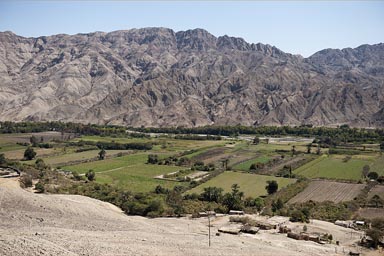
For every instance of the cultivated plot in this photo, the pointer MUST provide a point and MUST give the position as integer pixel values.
(251, 184)
(321, 191)
(335, 167)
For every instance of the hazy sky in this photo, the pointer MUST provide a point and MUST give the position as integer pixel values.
(299, 27)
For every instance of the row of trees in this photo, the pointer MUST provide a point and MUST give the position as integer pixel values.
(333, 135)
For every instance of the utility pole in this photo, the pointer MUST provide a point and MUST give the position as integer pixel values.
(209, 229)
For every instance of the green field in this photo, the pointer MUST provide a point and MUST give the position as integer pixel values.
(245, 165)
(10, 147)
(130, 172)
(378, 166)
(251, 184)
(75, 156)
(333, 167)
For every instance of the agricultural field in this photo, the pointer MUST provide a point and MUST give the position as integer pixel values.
(130, 172)
(40, 153)
(251, 184)
(41, 136)
(335, 167)
(244, 166)
(321, 191)
(378, 166)
(66, 158)
(371, 213)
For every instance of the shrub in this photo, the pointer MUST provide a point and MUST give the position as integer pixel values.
(272, 187)
(29, 154)
(373, 175)
(2, 159)
(90, 175)
(39, 187)
(26, 181)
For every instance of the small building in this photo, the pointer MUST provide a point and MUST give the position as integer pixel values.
(360, 223)
(207, 213)
(342, 223)
(233, 212)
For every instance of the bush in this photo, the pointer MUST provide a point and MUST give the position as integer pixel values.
(39, 187)
(2, 159)
(373, 175)
(26, 180)
(272, 187)
(29, 154)
(90, 175)
(76, 176)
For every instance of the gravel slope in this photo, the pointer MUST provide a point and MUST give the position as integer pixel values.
(40, 224)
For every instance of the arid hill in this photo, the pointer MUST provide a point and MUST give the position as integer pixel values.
(41, 224)
(158, 77)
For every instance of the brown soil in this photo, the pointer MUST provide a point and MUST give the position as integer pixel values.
(41, 224)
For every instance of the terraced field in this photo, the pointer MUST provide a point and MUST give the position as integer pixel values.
(321, 191)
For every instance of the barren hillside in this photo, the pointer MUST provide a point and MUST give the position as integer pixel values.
(41, 224)
(158, 77)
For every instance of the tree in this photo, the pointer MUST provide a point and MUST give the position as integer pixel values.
(39, 163)
(309, 147)
(33, 141)
(29, 153)
(271, 187)
(212, 194)
(365, 171)
(318, 151)
(293, 150)
(39, 187)
(382, 146)
(256, 140)
(376, 200)
(90, 175)
(152, 159)
(225, 164)
(102, 154)
(373, 175)
(233, 200)
(160, 190)
(277, 205)
(376, 235)
(376, 232)
(175, 200)
(259, 203)
(2, 159)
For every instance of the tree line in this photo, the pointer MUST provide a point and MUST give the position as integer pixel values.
(342, 134)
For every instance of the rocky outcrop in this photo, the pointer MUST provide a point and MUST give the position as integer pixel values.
(156, 77)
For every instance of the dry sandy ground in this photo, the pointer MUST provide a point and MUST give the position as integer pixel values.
(40, 224)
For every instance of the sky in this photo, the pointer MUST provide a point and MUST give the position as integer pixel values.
(297, 27)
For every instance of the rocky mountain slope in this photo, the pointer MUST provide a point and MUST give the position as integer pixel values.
(158, 77)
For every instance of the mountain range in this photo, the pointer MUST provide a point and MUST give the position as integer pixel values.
(159, 77)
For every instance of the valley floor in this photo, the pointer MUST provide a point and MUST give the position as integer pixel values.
(42, 224)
